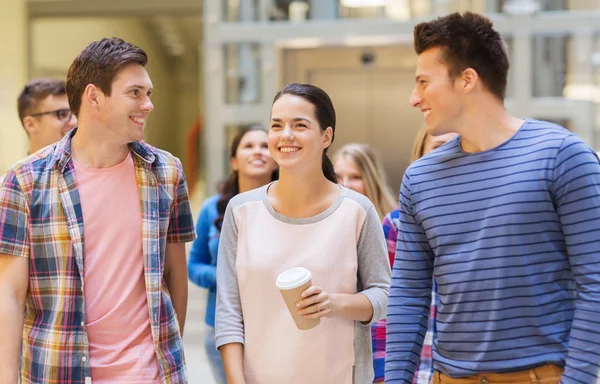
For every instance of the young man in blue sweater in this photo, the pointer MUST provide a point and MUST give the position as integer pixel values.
(507, 218)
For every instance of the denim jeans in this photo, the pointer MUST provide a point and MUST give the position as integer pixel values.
(213, 355)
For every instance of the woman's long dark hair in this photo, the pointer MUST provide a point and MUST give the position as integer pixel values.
(324, 112)
(231, 187)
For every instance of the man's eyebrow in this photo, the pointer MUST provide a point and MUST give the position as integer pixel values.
(137, 86)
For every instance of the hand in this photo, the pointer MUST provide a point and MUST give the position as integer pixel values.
(315, 303)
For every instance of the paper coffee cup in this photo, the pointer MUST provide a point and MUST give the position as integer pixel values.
(291, 284)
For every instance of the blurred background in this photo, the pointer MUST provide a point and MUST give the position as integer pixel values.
(216, 65)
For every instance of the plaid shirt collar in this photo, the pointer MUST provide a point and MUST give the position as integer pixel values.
(62, 152)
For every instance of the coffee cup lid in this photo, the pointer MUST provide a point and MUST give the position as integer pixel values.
(293, 278)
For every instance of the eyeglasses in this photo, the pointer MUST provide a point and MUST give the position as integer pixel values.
(63, 115)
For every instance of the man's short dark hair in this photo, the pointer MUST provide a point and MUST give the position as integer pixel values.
(98, 64)
(35, 91)
(467, 41)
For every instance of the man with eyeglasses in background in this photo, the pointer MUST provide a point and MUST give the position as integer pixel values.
(44, 112)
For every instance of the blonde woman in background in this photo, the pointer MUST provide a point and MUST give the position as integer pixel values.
(358, 167)
(424, 144)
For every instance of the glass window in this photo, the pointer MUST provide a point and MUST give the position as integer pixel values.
(242, 73)
(549, 65)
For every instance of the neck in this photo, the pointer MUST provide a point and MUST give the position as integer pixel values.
(300, 188)
(34, 146)
(93, 151)
(487, 125)
(249, 183)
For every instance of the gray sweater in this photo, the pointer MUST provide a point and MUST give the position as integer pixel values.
(345, 249)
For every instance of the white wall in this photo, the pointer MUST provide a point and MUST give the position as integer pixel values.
(13, 73)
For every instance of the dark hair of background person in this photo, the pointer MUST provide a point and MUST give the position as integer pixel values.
(324, 112)
(35, 91)
(230, 187)
(98, 64)
(467, 41)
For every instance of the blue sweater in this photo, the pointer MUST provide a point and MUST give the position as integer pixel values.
(202, 264)
(513, 237)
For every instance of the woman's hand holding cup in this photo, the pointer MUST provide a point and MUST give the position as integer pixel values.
(316, 303)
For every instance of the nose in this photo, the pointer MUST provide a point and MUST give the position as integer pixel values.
(344, 181)
(147, 106)
(287, 133)
(415, 98)
(72, 122)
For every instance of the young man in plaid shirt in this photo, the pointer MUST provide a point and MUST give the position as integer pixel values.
(92, 229)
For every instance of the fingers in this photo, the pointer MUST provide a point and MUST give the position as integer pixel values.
(316, 311)
(311, 296)
(312, 290)
(315, 304)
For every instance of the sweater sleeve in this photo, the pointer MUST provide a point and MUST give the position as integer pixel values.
(201, 271)
(410, 294)
(229, 321)
(373, 265)
(576, 189)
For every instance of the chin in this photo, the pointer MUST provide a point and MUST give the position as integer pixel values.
(436, 130)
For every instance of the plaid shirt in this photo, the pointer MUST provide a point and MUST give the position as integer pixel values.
(42, 219)
(424, 372)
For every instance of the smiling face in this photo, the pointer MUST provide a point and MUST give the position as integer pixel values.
(252, 157)
(436, 95)
(349, 175)
(124, 112)
(51, 127)
(295, 136)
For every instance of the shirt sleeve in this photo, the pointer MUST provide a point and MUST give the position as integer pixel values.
(181, 222)
(229, 320)
(410, 294)
(201, 271)
(373, 265)
(576, 189)
(14, 218)
(391, 234)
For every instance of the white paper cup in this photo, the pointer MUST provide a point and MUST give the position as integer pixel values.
(291, 284)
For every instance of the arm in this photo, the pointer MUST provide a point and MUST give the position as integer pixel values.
(14, 275)
(14, 282)
(181, 230)
(576, 190)
(175, 278)
(410, 294)
(200, 269)
(368, 305)
(229, 321)
(232, 356)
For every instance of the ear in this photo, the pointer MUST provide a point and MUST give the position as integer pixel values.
(469, 80)
(30, 124)
(92, 96)
(234, 164)
(327, 137)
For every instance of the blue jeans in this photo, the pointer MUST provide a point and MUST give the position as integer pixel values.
(214, 357)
